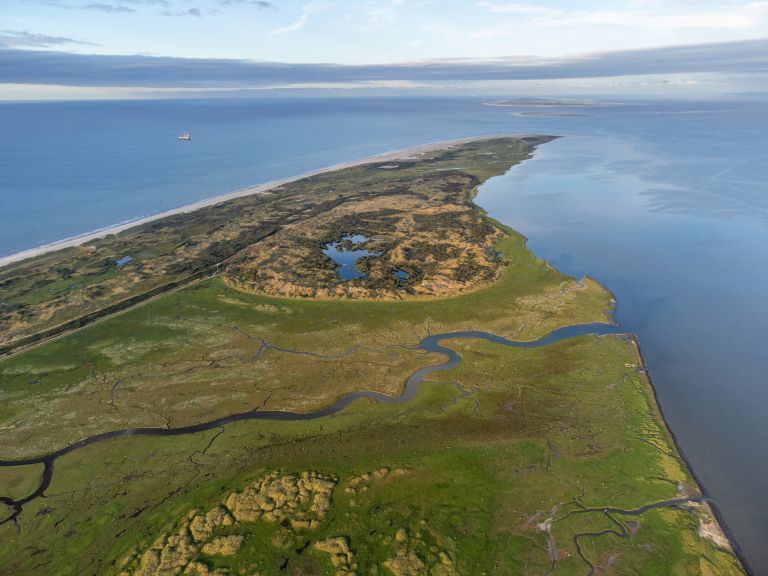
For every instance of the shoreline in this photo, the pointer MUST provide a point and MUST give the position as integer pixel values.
(399, 154)
(736, 549)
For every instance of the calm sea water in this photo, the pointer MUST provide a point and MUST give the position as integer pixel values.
(664, 202)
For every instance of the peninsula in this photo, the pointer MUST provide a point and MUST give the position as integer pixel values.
(353, 372)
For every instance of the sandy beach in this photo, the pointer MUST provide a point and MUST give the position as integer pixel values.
(401, 154)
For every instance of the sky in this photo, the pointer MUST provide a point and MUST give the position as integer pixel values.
(98, 48)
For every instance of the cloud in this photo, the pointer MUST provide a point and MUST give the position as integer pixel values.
(27, 39)
(514, 8)
(294, 27)
(382, 13)
(742, 16)
(112, 8)
(260, 4)
(166, 7)
(188, 12)
(160, 3)
(39, 67)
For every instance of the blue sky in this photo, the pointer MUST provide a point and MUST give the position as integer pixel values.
(376, 32)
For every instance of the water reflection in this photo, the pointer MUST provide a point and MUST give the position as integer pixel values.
(671, 217)
(346, 256)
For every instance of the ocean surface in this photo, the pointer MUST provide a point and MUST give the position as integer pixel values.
(665, 202)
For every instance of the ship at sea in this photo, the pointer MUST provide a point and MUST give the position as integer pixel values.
(185, 136)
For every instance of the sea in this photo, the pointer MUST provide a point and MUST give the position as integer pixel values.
(663, 201)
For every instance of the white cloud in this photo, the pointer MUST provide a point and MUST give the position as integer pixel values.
(751, 15)
(293, 27)
(382, 13)
(744, 16)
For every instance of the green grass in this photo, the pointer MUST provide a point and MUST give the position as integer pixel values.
(19, 481)
(532, 436)
(156, 363)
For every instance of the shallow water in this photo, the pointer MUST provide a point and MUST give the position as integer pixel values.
(123, 261)
(672, 219)
(347, 259)
(664, 202)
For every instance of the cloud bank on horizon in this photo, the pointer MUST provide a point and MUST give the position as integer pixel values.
(259, 44)
(67, 69)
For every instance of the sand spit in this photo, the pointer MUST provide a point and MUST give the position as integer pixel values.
(401, 154)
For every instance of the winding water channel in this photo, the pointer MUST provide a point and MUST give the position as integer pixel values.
(429, 344)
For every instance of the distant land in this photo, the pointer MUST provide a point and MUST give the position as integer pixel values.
(543, 103)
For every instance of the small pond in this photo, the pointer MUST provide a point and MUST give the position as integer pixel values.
(346, 257)
(123, 261)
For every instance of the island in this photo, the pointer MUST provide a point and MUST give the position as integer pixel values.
(353, 372)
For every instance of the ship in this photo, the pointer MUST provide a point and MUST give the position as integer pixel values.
(185, 136)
